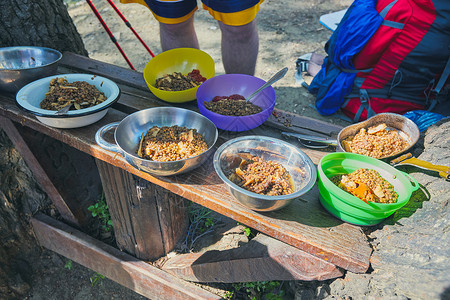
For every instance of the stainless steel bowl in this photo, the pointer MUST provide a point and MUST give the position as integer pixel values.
(24, 64)
(128, 133)
(404, 126)
(296, 162)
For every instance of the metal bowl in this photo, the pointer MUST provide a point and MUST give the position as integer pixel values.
(404, 126)
(22, 65)
(228, 157)
(128, 132)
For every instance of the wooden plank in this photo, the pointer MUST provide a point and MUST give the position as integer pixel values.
(304, 224)
(287, 121)
(83, 64)
(262, 259)
(39, 173)
(172, 213)
(148, 221)
(118, 266)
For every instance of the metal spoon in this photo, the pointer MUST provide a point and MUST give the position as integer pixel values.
(280, 74)
(65, 109)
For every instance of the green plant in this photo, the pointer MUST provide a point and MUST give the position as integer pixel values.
(200, 216)
(201, 223)
(101, 211)
(209, 222)
(247, 231)
(96, 278)
(228, 295)
(68, 265)
(270, 290)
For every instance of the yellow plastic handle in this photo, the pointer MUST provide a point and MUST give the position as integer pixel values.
(444, 171)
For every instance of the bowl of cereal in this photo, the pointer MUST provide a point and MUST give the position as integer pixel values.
(161, 141)
(263, 173)
(382, 136)
(88, 98)
(362, 190)
(222, 100)
(175, 75)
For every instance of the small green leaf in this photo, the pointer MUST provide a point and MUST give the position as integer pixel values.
(68, 265)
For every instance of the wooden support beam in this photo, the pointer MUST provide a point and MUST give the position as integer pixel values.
(148, 220)
(118, 266)
(39, 173)
(262, 259)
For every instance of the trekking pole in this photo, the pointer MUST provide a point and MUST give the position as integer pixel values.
(113, 39)
(129, 26)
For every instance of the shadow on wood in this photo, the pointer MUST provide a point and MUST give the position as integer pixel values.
(262, 259)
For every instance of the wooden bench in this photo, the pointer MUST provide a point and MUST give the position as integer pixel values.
(299, 242)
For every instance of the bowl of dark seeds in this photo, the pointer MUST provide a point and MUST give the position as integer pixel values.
(222, 100)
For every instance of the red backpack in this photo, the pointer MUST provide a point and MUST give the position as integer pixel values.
(403, 61)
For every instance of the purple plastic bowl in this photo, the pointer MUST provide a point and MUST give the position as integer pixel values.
(229, 84)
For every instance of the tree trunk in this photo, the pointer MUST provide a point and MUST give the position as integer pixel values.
(43, 23)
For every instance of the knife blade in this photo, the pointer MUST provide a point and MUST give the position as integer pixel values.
(311, 138)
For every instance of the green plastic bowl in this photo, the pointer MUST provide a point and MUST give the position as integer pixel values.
(351, 209)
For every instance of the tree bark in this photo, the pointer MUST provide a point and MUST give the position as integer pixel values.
(44, 23)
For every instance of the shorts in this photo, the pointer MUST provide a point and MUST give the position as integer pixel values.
(229, 12)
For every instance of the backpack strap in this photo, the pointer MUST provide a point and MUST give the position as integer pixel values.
(365, 104)
(437, 89)
(385, 22)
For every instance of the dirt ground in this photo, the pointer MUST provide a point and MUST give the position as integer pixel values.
(287, 29)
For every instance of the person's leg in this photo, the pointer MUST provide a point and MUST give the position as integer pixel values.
(181, 35)
(240, 46)
(176, 21)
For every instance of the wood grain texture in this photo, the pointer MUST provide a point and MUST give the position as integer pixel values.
(118, 266)
(147, 220)
(262, 259)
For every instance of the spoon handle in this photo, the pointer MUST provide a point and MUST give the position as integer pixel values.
(280, 74)
(65, 109)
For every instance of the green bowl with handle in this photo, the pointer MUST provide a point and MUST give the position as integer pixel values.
(351, 209)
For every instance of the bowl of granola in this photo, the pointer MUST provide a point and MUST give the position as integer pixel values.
(175, 75)
(263, 173)
(87, 97)
(383, 136)
(222, 100)
(362, 190)
(161, 141)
